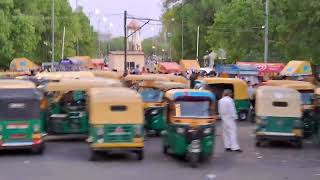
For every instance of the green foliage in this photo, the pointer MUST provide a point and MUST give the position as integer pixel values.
(26, 31)
(236, 26)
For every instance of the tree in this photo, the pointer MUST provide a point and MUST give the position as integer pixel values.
(26, 30)
(236, 31)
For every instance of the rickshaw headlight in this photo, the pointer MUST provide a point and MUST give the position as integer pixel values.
(180, 130)
(36, 128)
(195, 144)
(154, 112)
(207, 131)
(100, 131)
(138, 130)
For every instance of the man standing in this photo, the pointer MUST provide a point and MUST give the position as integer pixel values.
(228, 114)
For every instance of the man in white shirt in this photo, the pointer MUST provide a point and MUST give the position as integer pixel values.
(228, 114)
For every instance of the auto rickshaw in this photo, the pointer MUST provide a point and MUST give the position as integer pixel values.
(132, 80)
(155, 108)
(20, 124)
(239, 88)
(278, 115)
(190, 130)
(65, 74)
(107, 74)
(306, 90)
(174, 78)
(116, 121)
(67, 104)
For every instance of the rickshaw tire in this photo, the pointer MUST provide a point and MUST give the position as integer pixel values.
(38, 150)
(194, 160)
(94, 156)
(258, 143)
(165, 149)
(140, 155)
(299, 144)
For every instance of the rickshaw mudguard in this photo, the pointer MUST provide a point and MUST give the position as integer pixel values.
(179, 144)
(242, 104)
(207, 145)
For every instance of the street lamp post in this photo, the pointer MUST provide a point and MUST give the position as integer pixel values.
(52, 45)
(266, 32)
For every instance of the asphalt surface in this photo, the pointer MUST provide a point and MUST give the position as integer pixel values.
(69, 160)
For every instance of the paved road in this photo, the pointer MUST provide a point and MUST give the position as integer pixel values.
(69, 160)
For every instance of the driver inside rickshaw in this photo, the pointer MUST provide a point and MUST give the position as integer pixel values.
(73, 100)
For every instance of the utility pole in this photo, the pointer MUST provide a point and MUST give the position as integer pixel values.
(52, 23)
(182, 48)
(125, 42)
(198, 34)
(63, 36)
(266, 32)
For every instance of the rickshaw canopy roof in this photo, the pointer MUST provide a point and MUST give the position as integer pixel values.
(119, 105)
(169, 67)
(298, 85)
(82, 84)
(176, 93)
(70, 74)
(297, 68)
(240, 87)
(107, 74)
(266, 96)
(189, 65)
(174, 78)
(144, 77)
(163, 85)
(16, 84)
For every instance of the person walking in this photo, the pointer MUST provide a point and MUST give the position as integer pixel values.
(228, 114)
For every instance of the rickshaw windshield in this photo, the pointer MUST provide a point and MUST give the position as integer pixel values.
(306, 97)
(193, 109)
(151, 95)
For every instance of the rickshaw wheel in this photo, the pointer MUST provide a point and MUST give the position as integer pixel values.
(243, 116)
(94, 156)
(194, 160)
(258, 143)
(140, 155)
(38, 150)
(165, 149)
(299, 144)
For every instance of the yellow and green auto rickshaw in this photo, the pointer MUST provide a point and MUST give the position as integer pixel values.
(107, 74)
(278, 115)
(190, 130)
(132, 80)
(306, 90)
(239, 88)
(152, 93)
(116, 121)
(65, 75)
(67, 111)
(20, 121)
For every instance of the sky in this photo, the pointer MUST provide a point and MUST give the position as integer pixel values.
(107, 15)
